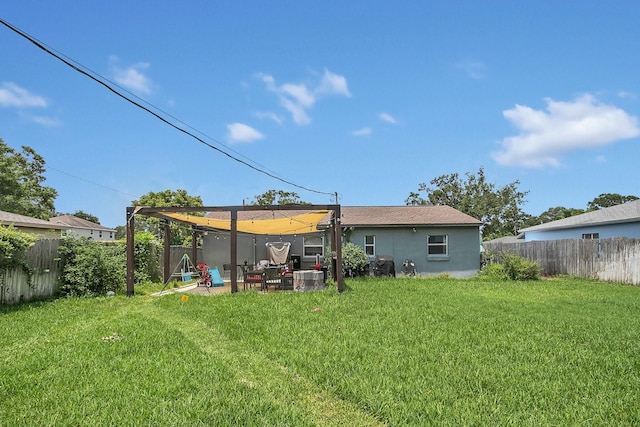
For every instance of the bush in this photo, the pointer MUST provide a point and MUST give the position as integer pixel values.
(90, 268)
(146, 255)
(512, 267)
(13, 250)
(354, 260)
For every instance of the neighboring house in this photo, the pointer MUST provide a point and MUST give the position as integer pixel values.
(439, 239)
(30, 225)
(82, 227)
(616, 221)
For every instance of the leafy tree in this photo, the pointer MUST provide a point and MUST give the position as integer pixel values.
(21, 183)
(277, 197)
(606, 200)
(180, 233)
(552, 214)
(498, 208)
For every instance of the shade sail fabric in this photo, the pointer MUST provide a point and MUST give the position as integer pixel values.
(284, 225)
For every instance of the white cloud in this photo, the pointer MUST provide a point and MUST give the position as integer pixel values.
(42, 120)
(474, 69)
(298, 98)
(333, 84)
(270, 116)
(12, 95)
(132, 77)
(362, 132)
(239, 132)
(387, 118)
(563, 127)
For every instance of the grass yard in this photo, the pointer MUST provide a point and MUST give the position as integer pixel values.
(385, 352)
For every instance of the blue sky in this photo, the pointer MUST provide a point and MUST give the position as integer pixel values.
(366, 99)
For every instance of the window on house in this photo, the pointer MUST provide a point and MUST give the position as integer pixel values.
(99, 233)
(313, 245)
(588, 236)
(437, 245)
(370, 245)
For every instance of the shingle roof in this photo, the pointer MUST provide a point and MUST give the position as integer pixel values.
(75, 222)
(8, 218)
(626, 212)
(373, 216)
(404, 215)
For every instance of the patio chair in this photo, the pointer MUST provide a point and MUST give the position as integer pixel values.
(271, 277)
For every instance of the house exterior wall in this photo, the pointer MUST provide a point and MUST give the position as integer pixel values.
(605, 231)
(462, 259)
(100, 235)
(251, 249)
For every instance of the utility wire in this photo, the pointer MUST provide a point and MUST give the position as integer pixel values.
(90, 74)
(91, 182)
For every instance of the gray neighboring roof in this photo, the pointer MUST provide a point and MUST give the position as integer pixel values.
(507, 239)
(8, 218)
(626, 212)
(75, 222)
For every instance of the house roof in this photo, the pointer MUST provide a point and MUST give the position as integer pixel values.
(75, 222)
(626, 212)
(306, 221)
(8, 218)
(388, 216)
(372, 216)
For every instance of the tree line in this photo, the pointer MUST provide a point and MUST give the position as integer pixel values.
(22, 191)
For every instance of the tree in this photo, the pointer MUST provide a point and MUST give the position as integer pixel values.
(498, 208)
(21, 183)
(180, 233)
(553, 214)
(277, 197)
(83, 215)
(606, 200)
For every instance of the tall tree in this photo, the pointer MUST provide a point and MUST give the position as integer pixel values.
(552, 214)
(499, 208)
(277, 197)
(606, 200)
(180, 233)
(22, 189)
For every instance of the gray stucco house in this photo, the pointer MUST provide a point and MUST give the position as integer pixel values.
(616, 221)
(439, 239)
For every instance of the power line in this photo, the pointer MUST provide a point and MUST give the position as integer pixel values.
(109, 85)
(91, 182)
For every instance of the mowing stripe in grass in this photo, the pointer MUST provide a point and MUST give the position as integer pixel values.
(271, 380)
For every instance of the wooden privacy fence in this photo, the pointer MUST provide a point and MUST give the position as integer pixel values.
(613, 260)
(42, 257)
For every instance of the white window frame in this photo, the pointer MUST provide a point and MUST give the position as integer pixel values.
(371, 246)
(591, 236)
(437, 244)
(314, 246)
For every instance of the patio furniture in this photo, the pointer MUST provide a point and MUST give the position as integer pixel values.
(252, 278)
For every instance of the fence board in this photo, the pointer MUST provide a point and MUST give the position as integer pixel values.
(614, 260)
(43, 259)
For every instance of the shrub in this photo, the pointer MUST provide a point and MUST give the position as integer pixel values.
(354, 260)
(13, 250)
(512, 267)
(146, 255)
(90, 268)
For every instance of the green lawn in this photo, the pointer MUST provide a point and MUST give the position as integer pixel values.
(385, 352)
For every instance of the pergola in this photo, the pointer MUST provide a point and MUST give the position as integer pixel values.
(172, 213)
